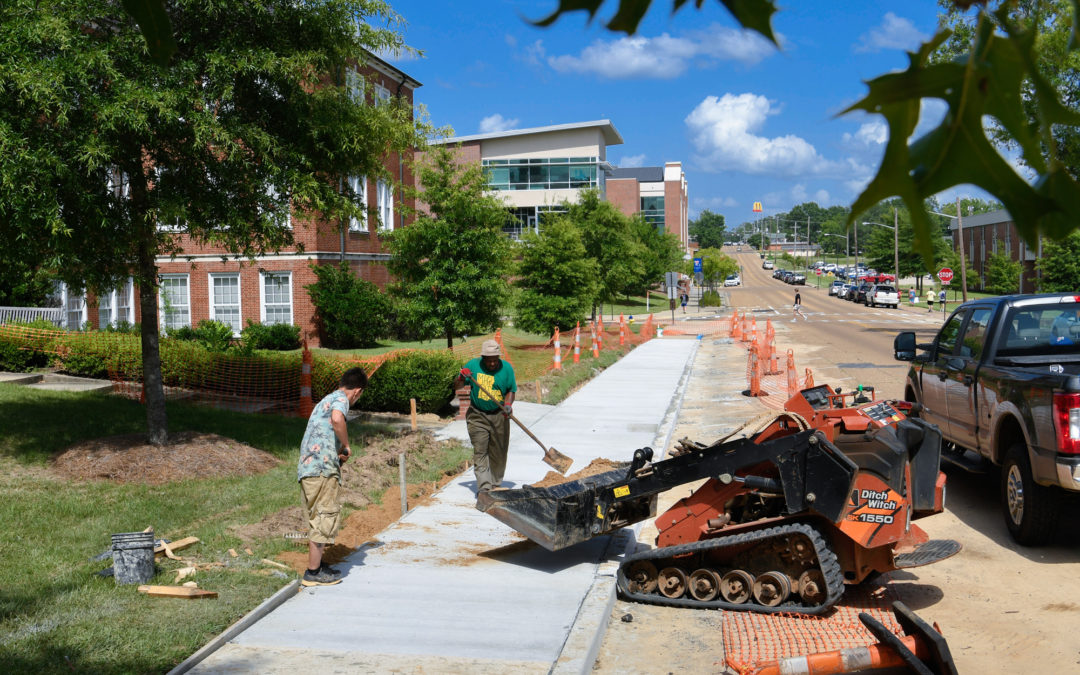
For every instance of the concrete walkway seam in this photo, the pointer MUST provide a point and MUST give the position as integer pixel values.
(267, 606)
(583, 642)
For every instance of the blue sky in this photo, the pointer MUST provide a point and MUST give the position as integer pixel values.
(749, 122)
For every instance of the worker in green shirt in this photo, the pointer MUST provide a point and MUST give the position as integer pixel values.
(488, 424)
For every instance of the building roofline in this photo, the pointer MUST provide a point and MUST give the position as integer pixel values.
(396, 73)
(611, 134)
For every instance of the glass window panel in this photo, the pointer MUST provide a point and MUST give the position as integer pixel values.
(277, 298)
(559, 176)
(582, 159)
(176, 307)
(499, 176)
(538, 175)
(105, 309)
(519, 174)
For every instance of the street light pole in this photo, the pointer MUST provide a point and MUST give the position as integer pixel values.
(960, 243)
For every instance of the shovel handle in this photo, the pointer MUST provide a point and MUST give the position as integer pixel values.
(505, 410)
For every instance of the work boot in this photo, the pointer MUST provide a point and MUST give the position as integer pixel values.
(321, 577)
(331, 570)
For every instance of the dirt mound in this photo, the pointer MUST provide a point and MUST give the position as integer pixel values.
(189, 454)
(599, 465)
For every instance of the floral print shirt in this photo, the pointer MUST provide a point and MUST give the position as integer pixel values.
(319, 449)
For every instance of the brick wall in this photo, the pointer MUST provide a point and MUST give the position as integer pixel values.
(625, 194)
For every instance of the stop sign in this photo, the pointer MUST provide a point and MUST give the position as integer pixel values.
(945, 275)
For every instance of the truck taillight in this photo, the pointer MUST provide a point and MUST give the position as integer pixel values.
(1067, 423)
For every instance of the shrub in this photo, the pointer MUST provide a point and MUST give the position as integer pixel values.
(124, 327)
(185, 333)
(351, 312)
(710, 299)
(83, 359)
(15, 358)
(423, 375)
(215, 336)
(277, 337)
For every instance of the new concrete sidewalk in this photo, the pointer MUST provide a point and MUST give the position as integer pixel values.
(448, 589)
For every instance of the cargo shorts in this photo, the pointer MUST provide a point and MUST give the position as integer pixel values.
(322, 507)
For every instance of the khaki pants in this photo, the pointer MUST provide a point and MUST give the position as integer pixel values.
(322, 507)
(490, 436)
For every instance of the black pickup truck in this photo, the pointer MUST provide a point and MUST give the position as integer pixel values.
(1002, 382)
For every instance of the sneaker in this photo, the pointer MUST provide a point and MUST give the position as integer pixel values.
(331, 570)
(323, 577)
(793, 320)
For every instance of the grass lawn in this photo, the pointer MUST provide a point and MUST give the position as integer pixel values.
(56, 614)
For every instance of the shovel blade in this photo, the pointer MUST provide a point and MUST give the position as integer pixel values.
(557, 460)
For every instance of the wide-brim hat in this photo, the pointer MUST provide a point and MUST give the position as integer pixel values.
(490, 348)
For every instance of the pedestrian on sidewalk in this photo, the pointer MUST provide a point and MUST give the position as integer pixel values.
(930, 300)
(488, 425)
(796, 310)
(941, 297)
(324, 448)
(911, 296)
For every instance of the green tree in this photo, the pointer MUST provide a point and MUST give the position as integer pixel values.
(451, 265)
(351, 312)
(716, 266)
(24, 285)
(708, 229)
(557, 279)
(1002, 274)
(130, 161)
(1059, 265)
(659, 252)
(609, 241)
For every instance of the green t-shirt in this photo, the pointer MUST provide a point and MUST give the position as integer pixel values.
(499, 383)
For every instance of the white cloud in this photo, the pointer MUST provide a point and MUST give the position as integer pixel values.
(702, 203)
(664, 56)
(822, 197)
(721, 130)
(496, 122)
(870, 135)
(532, 54)
(511, 41)
(893, 33)
(798, 192)
(632, 161)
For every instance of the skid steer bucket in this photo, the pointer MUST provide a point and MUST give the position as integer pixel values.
(563, 515)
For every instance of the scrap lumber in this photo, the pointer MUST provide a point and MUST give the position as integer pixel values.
(276, 564)
(177, 592)
(175, 546)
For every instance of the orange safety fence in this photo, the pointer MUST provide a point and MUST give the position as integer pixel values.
(754, 642)
(273, 383)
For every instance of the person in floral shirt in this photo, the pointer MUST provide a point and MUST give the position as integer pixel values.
(323, 450)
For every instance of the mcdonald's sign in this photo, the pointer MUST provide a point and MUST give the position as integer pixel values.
(757, 207)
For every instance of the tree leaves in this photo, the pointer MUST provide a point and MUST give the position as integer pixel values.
(155, 26)
(754, 15)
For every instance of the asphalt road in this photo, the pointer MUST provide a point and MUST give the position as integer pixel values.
(1003, 607)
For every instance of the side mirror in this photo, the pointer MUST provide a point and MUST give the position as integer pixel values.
(904, 346)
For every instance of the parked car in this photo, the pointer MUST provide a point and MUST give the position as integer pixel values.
(797, 278)
(883, 294)
(767, 265)
(835, 287)
(861, 291)
(1000, 381)
(846, 289)
(732, 280)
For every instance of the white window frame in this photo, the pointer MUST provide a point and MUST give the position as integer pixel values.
(162, 318)
(67, 296)
(239, 300)
(262, 294)
(272, 193)
(354, 84)
(382, 95)
(111, 300)
(385, 195)
(359, 186)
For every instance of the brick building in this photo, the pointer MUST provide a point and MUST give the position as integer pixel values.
(657, 192)
(995, 232)
(204, 282)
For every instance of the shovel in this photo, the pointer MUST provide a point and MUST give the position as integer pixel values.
(552, 457)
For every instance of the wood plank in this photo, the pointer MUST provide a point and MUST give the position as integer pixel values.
(177, 592)
(176, 545)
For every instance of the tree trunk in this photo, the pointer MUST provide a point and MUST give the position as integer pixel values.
(157, 422)
(449, 337)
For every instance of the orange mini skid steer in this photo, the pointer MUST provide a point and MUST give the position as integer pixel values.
(812, 498)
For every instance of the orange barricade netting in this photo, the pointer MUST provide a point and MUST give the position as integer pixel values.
(706, 327)
(752, 640)
(265, 382)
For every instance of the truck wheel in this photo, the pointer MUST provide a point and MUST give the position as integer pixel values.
(1030, 509)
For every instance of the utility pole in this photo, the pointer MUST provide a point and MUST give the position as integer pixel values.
(896, 248)
(960, 239)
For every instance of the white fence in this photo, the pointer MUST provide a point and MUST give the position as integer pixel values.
(54, 314)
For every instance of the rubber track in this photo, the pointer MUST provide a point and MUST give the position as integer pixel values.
(830, 569)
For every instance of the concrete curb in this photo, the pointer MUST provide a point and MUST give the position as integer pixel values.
(240, 626)
(583, 642)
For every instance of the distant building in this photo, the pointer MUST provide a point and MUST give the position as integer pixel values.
(659, 193)
(536, 170)
(986, 234)
(205, 282)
